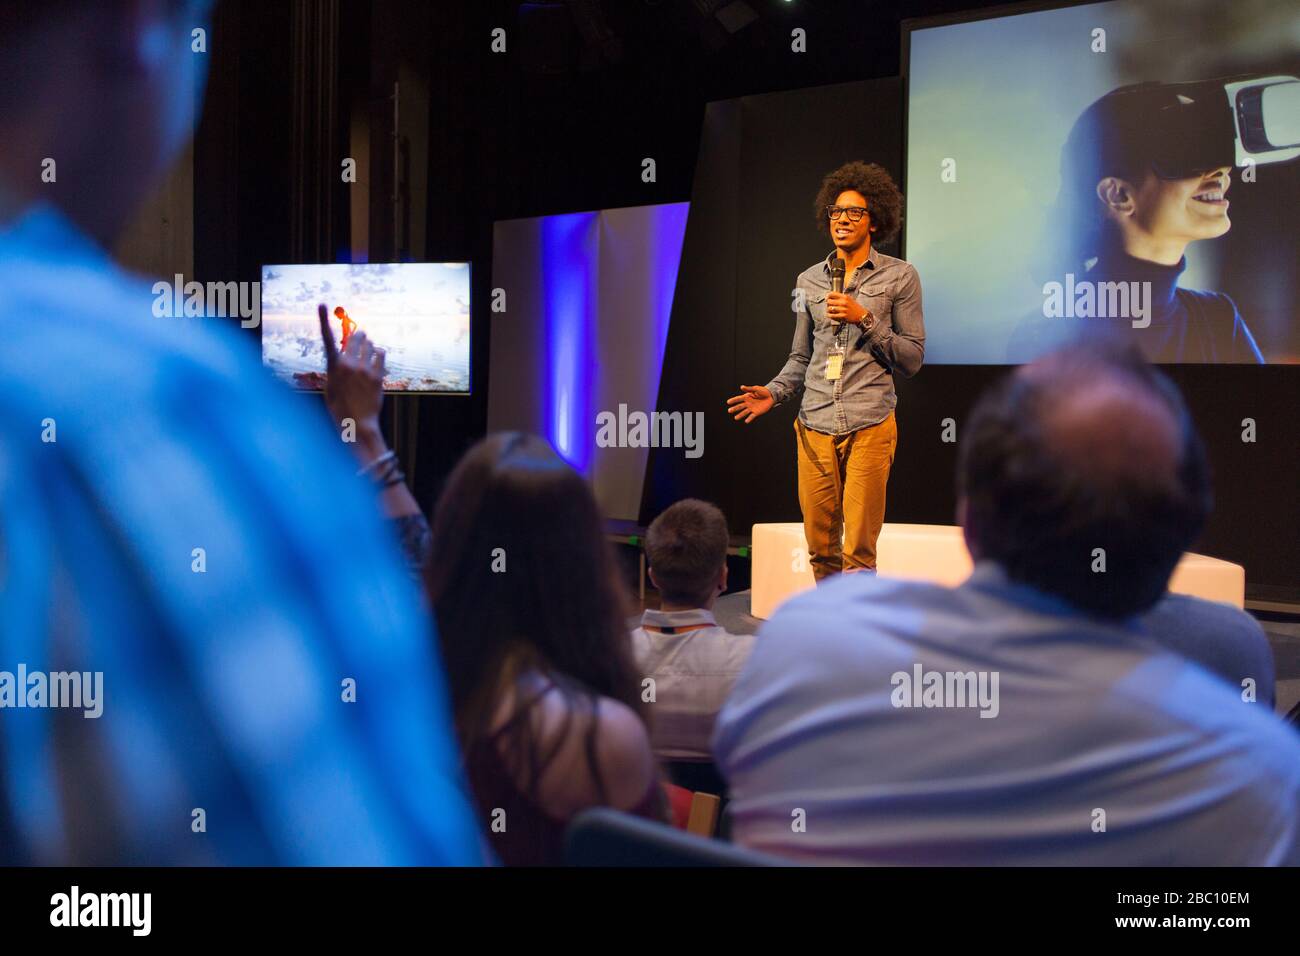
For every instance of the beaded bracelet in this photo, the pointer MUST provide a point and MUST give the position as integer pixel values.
(384, 459)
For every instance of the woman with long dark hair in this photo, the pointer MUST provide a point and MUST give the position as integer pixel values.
(532, 625)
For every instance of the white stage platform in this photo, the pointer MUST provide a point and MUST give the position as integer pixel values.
(931, 552)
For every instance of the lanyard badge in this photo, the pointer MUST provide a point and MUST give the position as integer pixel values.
(835, 362)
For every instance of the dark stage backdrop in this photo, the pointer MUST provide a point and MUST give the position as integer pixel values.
(751, 232)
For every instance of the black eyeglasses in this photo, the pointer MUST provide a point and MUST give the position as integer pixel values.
(855, 212)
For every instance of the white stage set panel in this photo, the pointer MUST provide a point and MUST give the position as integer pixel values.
(932, 552)
(587, 299)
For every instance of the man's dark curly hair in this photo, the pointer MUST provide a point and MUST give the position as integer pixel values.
(884, 201)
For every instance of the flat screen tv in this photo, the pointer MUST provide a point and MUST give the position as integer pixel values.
(417, 312)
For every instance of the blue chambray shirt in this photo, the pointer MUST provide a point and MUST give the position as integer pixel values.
(222, 689)
(874, 352)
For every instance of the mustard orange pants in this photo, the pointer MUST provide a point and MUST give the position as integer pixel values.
(842, 482)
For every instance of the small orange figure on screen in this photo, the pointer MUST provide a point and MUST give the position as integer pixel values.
(348, 326)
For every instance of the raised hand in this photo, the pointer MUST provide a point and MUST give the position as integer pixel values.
(354, 378)
(354, 388)
(753, 400)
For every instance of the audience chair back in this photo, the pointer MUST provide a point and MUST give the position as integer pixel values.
(604, 837)
(693, 811)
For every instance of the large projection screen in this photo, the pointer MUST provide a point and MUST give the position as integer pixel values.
(1034, 216)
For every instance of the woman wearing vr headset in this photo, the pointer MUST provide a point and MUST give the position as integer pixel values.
(1146, 172)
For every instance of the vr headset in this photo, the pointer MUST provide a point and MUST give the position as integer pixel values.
(1183, 129)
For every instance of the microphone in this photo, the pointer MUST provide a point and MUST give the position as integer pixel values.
(837, 275)
(837, 281)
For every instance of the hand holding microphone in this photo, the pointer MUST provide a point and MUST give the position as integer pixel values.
(841, 307)
(845, 308)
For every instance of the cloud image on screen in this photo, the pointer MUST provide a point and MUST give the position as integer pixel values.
(417, 312)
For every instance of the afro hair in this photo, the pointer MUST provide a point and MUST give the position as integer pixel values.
(884, 201)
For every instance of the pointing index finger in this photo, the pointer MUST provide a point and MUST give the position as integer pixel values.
(327, 336)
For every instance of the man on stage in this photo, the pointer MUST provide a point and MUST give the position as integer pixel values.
(847, 348)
